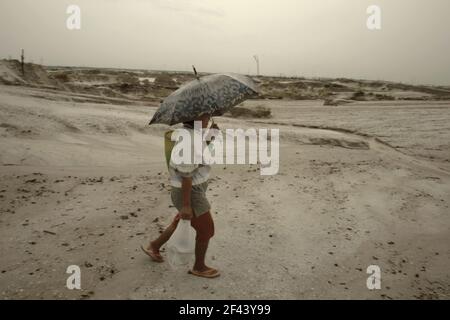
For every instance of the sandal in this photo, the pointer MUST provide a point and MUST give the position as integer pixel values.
(154, 255)
(211, 273)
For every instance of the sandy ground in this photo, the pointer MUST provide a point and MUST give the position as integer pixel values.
(361, 184)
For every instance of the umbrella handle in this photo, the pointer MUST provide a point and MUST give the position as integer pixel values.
(195, 72)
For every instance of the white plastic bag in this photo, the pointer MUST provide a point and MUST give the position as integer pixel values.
(181, 245)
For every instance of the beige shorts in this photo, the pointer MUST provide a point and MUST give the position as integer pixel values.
(199, 202)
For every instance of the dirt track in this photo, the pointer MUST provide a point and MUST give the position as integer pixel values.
(86, 184)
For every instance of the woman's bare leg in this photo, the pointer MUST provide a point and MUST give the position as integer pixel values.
(156, 244)
(200, 252)
(204, 226)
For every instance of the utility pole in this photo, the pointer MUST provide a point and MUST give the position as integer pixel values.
(257, 64)
(22, 59)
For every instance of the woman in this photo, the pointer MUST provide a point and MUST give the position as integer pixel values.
(189, 184)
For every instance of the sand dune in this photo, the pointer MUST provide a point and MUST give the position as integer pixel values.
(138, 86)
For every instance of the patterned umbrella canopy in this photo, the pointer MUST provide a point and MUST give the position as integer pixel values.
(212, 94)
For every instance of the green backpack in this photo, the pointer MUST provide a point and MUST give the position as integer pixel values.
(168, 146)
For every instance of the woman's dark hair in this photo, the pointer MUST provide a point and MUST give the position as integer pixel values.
(189, 124)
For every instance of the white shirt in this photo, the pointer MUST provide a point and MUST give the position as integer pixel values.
(198, 172)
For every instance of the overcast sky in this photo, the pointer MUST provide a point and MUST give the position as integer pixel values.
(326, 38)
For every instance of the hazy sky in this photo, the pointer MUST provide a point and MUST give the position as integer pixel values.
(326, 38)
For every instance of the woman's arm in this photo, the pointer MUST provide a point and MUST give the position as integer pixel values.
(186, 188)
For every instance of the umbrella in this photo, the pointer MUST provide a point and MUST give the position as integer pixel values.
(213, 94)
